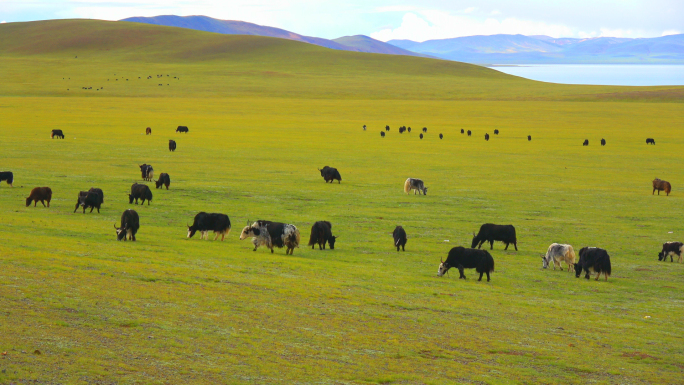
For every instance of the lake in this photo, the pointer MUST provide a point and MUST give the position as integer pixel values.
(600, 74)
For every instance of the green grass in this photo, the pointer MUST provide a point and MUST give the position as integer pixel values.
(262, 118)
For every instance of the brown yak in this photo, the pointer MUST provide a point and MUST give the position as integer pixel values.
(661, 185)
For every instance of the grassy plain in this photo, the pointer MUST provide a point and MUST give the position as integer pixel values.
(263, 115)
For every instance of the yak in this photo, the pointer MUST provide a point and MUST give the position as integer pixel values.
(421, 136)
(496, 132)
(441, 136)
(148, 131)
(424, 129)
(146, 171)
(661, 185)
(462, 258)
(41, 194)
(164, 180)
(8, 177)
(182, 129)
(205, 222)
(603, 142)
(92, 198)
(469, 132)
(281, 235)
(415, 184)
(486, 136)
(462, 131)
(671, 249)
(490, 232)
(382, 133)
(529, 138)
(559, 253)
(650, 141)
(57, 133)
(321, 232)
(130, 223)
(593, 260)
(172, 145)
(586, 142)
(399, 235)
(140, 191)
(330, 174)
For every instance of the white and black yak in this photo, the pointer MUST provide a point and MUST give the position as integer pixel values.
(280, 234)
(559, 253)
(671, 249)
(206, 222)
(462, 258)
(593, 260)
(130, 224)
(399, 236)
(490, 232)
(415, 184)
(321, 232)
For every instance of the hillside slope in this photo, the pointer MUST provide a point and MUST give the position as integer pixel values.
(366, 44)
(101, 58)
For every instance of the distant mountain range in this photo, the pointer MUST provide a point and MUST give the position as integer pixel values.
(493, 49)
(520, 49)
(358, 43)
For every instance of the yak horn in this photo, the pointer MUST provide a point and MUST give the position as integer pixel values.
(115, 226)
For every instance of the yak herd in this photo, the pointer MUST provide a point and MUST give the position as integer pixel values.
(276, 234)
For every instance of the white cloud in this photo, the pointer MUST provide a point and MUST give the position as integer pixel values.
(396, 8)
(671, 32)
(495, 12)
(470, 10)
(431, 24)
(3, 22)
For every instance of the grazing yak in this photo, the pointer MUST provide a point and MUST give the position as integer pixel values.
(462, 258)
(424, 129)
(205, 222)
(441, 136)
(41, 194)
(164, 180)
(140, 191)
(182, 129)
(409, 130)
(130, 223)
(650, 141)
(486, 136)
(146, 171)
(661, 185)
(92, 198)
(496, 132)
(364, 127)
(415, 184)
(387, 128)
(490, 232)
(462, 131)
(529, 138)
(586, 142)
(321, 232)
(399, 235)
(593, 260)
(402, 129)
(57, 133)
(421, 136)
(280, 234)
(148, 131)
(382, 133)
(469, 132)
(172, 145)
(671, 249)
(330, 174)
(559, 253)
(603, 142)
(8, 177)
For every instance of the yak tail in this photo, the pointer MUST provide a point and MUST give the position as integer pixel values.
(607, 267)
(297, 236)
(407, 185)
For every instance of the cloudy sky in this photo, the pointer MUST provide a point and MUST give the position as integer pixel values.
(386, 20)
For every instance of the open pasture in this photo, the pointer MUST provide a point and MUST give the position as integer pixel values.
(166, 309)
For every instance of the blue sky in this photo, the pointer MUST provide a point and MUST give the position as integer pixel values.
(385, 20)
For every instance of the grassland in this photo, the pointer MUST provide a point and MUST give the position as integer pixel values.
(263, 115)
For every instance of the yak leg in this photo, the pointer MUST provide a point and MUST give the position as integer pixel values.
(397, 248)
(460, 270)
(91, 209)
(48, 203)
(599, 275)
(216, 235)
(487, 276)
(480, 277)
(491, 245)
(506, 248)
(653, 191)
(402, 248)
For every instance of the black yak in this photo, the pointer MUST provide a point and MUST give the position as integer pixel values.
(399, 235)
(206, 222)
(182, 128)
(172, 145)
(164, 180)
(330, 174)
(57, 133)
(650, 141)
(140, 191)
(321, 232)
(462, 258)
(486, 136)
(490, 232)
(586, 142)
(7, 176)
(593, 260)
(603, 142)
